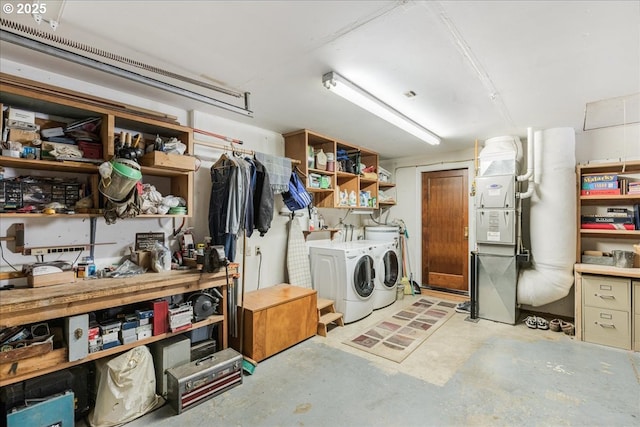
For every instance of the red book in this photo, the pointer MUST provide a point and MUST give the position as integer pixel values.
(160, 316)
(606, 226)
(602, 192)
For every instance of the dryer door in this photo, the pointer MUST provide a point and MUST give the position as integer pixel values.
(391, 270)
(363, 277)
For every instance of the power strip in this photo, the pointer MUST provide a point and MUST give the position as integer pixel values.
(52, 250)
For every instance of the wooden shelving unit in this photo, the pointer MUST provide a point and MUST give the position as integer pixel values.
(29, 95)
(603, 201)
(297, 146)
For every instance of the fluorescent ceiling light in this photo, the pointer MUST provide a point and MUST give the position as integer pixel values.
(351, 92)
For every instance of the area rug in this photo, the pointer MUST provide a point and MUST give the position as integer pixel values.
(397, 337)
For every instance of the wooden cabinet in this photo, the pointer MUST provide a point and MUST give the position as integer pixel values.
(276, 318)
(26, 306)
(63, 106)
(591, 239)
(342, 189)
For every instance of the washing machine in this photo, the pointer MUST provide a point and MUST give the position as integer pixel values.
(386, 251)
(344, 272)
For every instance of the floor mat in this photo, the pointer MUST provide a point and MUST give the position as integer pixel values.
(399, 335)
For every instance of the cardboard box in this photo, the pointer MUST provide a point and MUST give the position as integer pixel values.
(21, 115)
(23, 136)
(161, 160)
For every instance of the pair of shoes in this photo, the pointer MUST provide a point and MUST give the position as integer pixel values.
(554, 325)
(463, 307)
(534, 322)
(542, 323)
(531, 322)
(568, 328)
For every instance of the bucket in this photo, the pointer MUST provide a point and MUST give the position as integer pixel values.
(124, 175)
(623, 259)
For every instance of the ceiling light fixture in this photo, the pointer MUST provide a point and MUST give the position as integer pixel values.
(351, 92)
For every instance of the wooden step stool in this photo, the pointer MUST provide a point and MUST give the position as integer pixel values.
(327, 314)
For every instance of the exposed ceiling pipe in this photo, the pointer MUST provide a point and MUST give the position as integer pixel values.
(529, 175)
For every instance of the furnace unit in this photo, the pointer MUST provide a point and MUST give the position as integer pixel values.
(498, 229)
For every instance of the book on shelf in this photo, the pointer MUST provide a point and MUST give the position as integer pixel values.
(599, 177)
(602, 192)
(611, 219)
(606, 226)
(600, 185)
(622, 211)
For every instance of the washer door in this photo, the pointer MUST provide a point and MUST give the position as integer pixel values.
(391, 271)
(363, 277)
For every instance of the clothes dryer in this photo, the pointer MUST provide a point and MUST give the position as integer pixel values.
(344, 272)
(387, 267)
(385, 241)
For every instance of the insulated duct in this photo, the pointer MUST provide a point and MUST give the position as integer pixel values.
(552, 220)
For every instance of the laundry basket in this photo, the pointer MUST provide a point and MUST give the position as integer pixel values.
(118, 183)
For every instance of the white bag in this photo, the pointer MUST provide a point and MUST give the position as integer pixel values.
(126, 388)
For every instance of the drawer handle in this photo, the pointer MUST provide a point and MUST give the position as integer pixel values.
(606, 296)
(607, 325)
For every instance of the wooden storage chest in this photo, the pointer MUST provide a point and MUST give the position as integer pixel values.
(276, 318)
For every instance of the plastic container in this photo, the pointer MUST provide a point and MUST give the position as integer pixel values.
(125, 174)
(623, 259)
(311, 158)
(321, 160)
(331, 162)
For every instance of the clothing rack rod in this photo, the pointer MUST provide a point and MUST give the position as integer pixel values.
(225, 147)
(216, 135)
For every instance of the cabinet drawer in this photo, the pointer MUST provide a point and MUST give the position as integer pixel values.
(607, 292)
(607, 327)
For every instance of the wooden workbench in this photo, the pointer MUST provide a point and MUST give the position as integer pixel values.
(25, 306)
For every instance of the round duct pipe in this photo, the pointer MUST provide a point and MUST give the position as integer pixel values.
(552, 220)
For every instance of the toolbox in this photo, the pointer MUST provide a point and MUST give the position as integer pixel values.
(190, 384)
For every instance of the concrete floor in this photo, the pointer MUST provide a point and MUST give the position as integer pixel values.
(465, 373)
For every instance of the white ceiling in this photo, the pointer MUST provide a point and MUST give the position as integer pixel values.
(479, 68)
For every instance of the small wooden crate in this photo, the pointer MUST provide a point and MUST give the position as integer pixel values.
(51, 279)
(161, 160)
(34, 349)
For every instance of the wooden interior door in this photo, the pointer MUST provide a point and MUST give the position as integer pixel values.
(445, 230)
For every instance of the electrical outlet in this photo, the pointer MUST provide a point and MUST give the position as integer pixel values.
(258, 251)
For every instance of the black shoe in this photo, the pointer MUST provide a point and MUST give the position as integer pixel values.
(464, 307)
